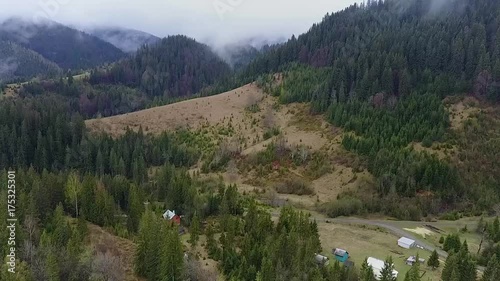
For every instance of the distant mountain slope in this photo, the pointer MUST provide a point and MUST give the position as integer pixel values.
(17, 62)
(380, 71)
(67, 47)
(127, 40)
(176, 67)
(393, 46)
(238, 55)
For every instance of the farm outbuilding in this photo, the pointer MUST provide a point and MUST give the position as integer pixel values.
(322, 260)
(412, 259)
(377, 266)
(406, 243)
(340, 254)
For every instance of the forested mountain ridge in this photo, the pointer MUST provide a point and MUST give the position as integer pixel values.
(65, 46)
(237, 55)
(127, 40)
(380, 72)
(400, 46)
(17, 62)
(178, 66)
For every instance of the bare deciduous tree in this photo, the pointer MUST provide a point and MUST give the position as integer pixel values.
(251, 100)
(73, 188)
(378, 100)
(234, 146)
(195, 272)
(232, 171)
(281, 146)
(31, 227)
(269, 121)
(482, 83)
(304, 153)
(274, 200)
(107, 267)
(28, 251)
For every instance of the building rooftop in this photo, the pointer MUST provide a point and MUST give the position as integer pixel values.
(377, 266)
(414, 259)
(406, 240)
(376, 263)
(169, 214)
(339, 252)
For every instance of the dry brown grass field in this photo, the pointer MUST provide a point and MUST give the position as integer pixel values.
(231, 109)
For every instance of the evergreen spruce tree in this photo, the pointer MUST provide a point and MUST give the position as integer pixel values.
(267, 271)
(455, 275)
(366, 272)
(494, 230)
(492, 272)
(466, 265)
(147, 258)
(62, 231)
(52, 266)
(450, 266)
(194, 230)
(433, 261)
(23, 272)
(122, 167)
(211, 245)
(99, 163)
(135, 208)
(404, 83)
(386, 274)
(171, 255)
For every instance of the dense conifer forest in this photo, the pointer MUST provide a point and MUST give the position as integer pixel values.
(398, 48)
(380, 71)
(175, 67)
(62, 45)
(21, 63)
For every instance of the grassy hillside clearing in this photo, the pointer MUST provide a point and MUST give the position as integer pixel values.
(244, 123)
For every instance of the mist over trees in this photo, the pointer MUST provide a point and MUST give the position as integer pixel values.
(17, 62)
(381, 47)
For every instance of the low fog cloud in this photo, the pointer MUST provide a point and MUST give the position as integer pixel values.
(7, 66)
(214, 21)
(433, 7)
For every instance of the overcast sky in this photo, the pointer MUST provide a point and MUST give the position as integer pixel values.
(206, 20)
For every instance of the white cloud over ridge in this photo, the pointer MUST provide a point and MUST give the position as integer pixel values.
(214, 21)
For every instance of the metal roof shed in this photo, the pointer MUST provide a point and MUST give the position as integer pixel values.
(406, 243)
